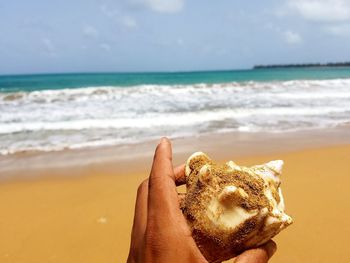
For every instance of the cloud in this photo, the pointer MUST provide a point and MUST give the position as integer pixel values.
(342, 30)
(292, 38)
(110, 12)
(332, 16)
(116, 15)
(105, 47)
(90, 31)
(128, 22)
(49, 47)
(166, 6)
(161, 6)
(322, 10)
(180, 42)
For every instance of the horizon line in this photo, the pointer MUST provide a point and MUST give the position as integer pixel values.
(126, 72)
(254, 67)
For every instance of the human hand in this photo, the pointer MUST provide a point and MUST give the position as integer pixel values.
(160, 232)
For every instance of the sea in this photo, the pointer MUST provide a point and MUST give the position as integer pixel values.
(54, 112)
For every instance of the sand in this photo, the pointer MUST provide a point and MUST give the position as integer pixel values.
(87, 217)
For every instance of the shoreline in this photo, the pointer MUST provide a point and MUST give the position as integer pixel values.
(131, 159)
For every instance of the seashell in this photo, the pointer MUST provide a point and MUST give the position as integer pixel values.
(231, 208)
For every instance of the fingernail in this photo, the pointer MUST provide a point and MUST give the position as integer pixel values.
(163, 140)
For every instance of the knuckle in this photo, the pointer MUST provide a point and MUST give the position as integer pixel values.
(155, 180)
(153, 240)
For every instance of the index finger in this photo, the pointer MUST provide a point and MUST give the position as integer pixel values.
(162, 195)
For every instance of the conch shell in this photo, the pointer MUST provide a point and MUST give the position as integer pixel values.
(231, 208)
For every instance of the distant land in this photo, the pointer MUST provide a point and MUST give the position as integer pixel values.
(305, 65)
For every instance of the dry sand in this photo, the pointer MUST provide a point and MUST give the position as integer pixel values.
(87, 217)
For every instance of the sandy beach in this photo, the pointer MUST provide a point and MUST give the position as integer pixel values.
(84, 213)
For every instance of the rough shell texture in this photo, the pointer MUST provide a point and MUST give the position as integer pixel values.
(231, 208)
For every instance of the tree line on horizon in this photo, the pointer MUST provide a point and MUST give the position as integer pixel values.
(304, 65)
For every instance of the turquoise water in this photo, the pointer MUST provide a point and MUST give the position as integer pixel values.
(62, 81)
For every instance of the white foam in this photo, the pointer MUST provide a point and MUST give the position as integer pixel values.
(56, 119)
(166, 120)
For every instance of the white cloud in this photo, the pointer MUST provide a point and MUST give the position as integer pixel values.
(162, 6)
(105, 47)
(342, 30)
(90, 31)
(110, 12)
(180, 42)
(322, 10)
(292, 37)
(128, 22)
(49, 47)
(48, 44)
(273, 27)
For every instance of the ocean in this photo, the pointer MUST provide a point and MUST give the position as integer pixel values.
(52, 112)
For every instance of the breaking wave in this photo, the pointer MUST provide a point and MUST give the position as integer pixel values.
(50, 120)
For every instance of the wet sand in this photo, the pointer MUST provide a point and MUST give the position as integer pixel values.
(84, 213)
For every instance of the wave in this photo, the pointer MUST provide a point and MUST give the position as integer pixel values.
(94, 116)
(167, 120)
(274, 88)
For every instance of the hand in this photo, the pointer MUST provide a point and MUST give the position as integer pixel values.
(160, 232)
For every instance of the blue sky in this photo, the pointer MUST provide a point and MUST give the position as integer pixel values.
(169, 35)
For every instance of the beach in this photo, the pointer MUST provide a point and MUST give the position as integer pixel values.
(83, 213)
(75, 147)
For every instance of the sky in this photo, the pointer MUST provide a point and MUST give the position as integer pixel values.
(40, 36)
